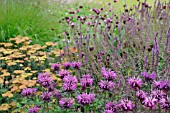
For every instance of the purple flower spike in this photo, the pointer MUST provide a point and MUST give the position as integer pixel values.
(66, 102)
(108, 74)
(35, 109)
(70, 83)
(46, 96)
(126, 105)
(135, 83)
(63, 73)
(106, 85)
(29, 92)
(86, 81)
(85, 98)
(55, 66)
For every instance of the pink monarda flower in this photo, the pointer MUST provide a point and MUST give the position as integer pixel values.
(55, 66)
(45, 80)
(126, 105)
(106, 85)
(76, 65)
(149, 77)
(86, 81)
(165, 103)
(35, 109)
(108, 74)
(63, 73)
(135, 82)
(158, 94)
(108, 111)
(46, 96)
(141, 95)
(66, 102)
(111, 106)
(70, 83)
(29, 92)
(67, 65)
(150, 102)
(162, 85)
(85, 98)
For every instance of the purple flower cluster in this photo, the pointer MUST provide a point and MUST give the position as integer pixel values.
(29, 92)
(63, 73)
(86, 81)
(150, 102)
(165, 103)
(46, 96)
(70, 83)
(45, 80)
(57, 94)
(162, 85)
(106, 85)
(35, 109)
(108, 74)
(126, 105)
(55, 66)
(135, 82)
(66, 102)
(76, 65)
(67, 65)
(85, 98)
(149, 77)
(111, 106)
(141, 95)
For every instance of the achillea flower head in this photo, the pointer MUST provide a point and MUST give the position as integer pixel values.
(70, 83)
(149, 77)
(46, 96)
(158, 94)
(29, 92)
(66, 102)
(67, 65)
(45, 80)
(86, 81)
(135, 82)
(106, 85)
(126, 105)
(63, 73)
(55, 66)
(108, 111)
(76, 65)
(111, 106)
(150, 102)
(35, 109)
(57, 94)
(85, 98)
(165, 103)
(108, 74)
(141, 95)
